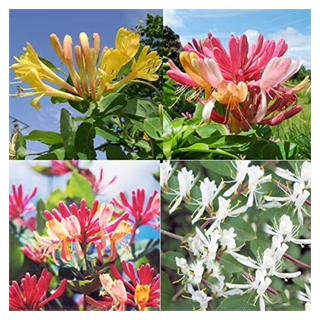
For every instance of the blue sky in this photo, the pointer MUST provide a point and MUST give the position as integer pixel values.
(131, 175)
(292, 25)
(35, 26)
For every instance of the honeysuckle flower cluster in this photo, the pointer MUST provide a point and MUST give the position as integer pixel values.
(298, 197)
(270, 263)
(81, 227)
(250, 83)
(139, 288)
(92, 70)
(203, 274)
(20, 207)
(32, 294)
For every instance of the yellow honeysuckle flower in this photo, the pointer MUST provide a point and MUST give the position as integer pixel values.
(186, 61)
(41, 89)
(110, 65)
(30, 60)
(90, 78)
(128, 43)
(231, 95)
(146, 65)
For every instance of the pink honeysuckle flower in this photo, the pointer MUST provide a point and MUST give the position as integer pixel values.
(82, 226)
(61, 168)
(116, 294)
(139, 213)
(36, 254)
(143, 288)
(32, 295)
(19, 203)
(240, 62)
(248, 83)
(98, 185)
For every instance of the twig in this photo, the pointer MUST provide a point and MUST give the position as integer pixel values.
(296, 261)
(172, 235)
(178, 294)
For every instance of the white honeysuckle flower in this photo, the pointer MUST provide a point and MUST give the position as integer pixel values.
(228, 241)
(286, 230)
(306, 297)
(195, 245)
(200, 297)
(260, 284)
(269, 263)
(209, 191)
(303, 177)
(197, 272)
(166, 171)
(183, 265)
(297, 197)
(186, 180)
(256, 178)
(210, 242)
(223, 212)
(242, 170)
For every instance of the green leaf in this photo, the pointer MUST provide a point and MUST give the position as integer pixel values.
(79, 188)
(168, 259)
(183, 305)
(41, 220)
(143, 144)
(68, 128)
(85, 286)
(258, 246)
(55, 154)
(243, 302)
(111, 103)
(114, 152)
(84, 140)
(141, 108)
(46, 137)
(212, 129)
(48, 63)
(107, 134)
(282, 150)
(167, 291)
(81, 106)
(241, 227)
(55, 197)
(230, 265)
(153, 128)
(223, 168)
(44, 170)
(16, 258)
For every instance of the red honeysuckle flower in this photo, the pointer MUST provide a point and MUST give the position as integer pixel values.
(19, 203)
(143, 289)
(139, 213)
(32, 295)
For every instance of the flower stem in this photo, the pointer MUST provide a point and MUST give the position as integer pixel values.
(296, 261)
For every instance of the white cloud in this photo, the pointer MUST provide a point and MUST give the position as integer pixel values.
(252, 36)
(172, 19)
(299, 44)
